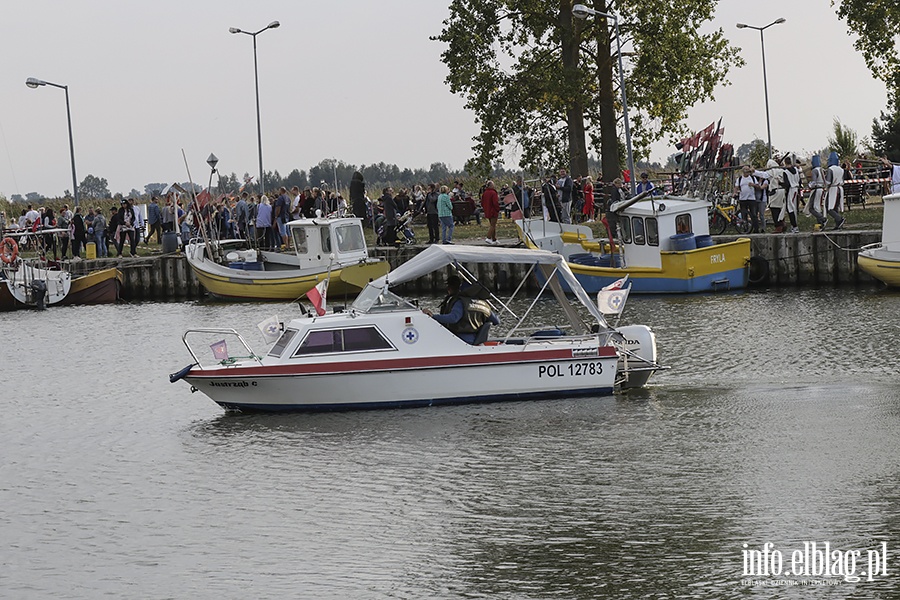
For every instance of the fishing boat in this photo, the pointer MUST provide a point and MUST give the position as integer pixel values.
(663, 245)
(383, 351)
(882, 260)
(332, 248)
(98, 287)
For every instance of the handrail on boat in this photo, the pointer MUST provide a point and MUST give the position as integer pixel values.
(227, 361)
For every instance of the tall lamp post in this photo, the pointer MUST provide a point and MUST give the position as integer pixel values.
(583, 12)
(36, 83)
(765, 84)
(272, 25)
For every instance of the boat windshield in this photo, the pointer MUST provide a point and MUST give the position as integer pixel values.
(374, 299)
(350, 238)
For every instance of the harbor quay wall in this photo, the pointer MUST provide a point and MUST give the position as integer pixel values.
(792, 260)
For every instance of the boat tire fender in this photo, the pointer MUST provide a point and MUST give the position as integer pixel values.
(758, 269)
(9, 250)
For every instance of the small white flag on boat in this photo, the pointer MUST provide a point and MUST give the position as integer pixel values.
(271, 329)
(219, 350)
(611, 299)
(317, 296)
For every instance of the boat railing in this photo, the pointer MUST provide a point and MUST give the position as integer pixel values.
(218, 349)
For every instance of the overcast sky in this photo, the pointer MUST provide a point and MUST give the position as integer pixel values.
(357, 80)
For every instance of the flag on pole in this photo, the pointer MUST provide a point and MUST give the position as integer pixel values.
(317, 296)
(513, 205)
(219, 350)
(611, 299)
(271, 329)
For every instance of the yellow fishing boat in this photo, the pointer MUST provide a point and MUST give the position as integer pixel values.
(332, 248)
(663, 245)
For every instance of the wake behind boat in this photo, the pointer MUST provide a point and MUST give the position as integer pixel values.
(383, 351)
(332, 248)
(663, 245)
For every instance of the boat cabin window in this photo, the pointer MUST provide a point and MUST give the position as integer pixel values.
(326, 239)
(652, 226)
(356, 339)
(282, 342)
(683, 223)
(374, 299)
(300, 240)
(625, 229)
(349, 238)
(637, 229)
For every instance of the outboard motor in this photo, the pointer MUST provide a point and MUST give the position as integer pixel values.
(39, 293)
(638, 362)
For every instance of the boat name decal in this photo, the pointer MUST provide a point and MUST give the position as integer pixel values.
(237, 384)
(578, 369)
(716, 258)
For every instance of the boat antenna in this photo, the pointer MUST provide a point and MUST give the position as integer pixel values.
(193, 206)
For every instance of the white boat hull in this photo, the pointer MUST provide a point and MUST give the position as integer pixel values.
(508, 375)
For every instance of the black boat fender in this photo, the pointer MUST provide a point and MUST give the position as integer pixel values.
(758, 269)
(173, 377)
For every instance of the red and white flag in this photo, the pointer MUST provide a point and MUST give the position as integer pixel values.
(317, 296)
(616, 285)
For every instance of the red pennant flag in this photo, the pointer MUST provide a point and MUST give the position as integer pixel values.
(317, 296)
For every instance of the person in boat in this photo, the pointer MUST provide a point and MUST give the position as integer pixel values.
(894, 171)
(463, 313)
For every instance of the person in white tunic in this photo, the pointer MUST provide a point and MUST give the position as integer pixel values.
(791, 184)
(776, 194)
(816, 192)
(834, 180)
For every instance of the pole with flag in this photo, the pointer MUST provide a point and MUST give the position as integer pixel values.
(317, 296)
(611, 299)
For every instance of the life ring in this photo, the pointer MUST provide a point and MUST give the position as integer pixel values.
(758, 269)
(9, 250)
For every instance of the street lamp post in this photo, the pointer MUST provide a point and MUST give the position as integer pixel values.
(35, 83)
(765, 84)
(212, 161)
(272, 25)
(582, 12)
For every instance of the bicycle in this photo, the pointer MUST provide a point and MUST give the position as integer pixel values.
(721, 215)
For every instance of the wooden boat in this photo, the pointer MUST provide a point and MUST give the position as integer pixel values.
(882, 260)
(332, 248)
(664, 246)
(384, 352)
(99, 287)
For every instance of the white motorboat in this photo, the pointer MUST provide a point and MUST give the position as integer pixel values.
(383, 351)
(882, 260)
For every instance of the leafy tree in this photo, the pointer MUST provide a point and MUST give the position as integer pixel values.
(886, 136)
(844, 141)
(34, 197)
(877, 23)
(298, 178)
(16, 198)
(548, 99)
(94, 187)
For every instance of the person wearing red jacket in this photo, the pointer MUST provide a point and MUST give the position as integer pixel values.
(490, 203)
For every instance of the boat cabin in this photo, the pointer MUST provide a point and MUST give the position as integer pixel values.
(669, 225)
(890, 225)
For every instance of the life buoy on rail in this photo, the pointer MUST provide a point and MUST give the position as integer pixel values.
(9, 250)
(758, 269)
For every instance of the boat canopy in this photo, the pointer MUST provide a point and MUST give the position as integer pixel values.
(438, 257)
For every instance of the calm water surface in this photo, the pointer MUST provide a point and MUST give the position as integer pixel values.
(779, 422)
